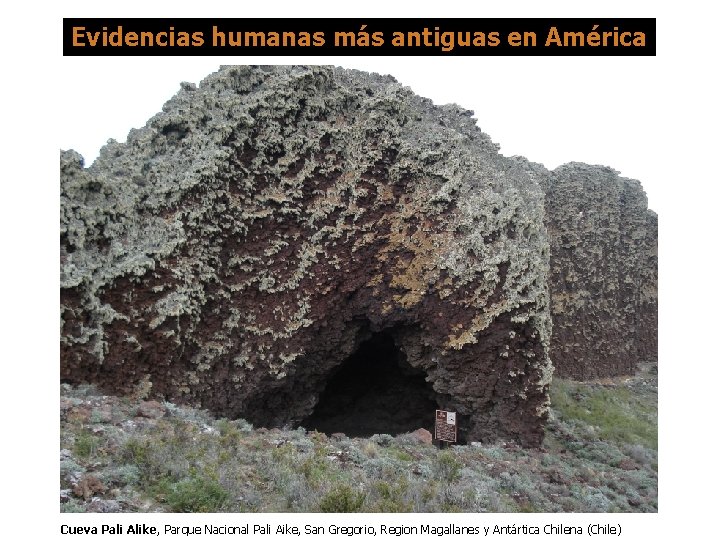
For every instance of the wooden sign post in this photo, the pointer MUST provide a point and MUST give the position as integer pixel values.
(446, 426)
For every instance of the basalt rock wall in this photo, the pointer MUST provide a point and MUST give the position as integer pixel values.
(603, 271)
(233, 253)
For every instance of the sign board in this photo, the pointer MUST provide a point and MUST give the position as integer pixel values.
(445, 426)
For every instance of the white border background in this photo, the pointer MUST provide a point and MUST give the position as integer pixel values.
(656, 118)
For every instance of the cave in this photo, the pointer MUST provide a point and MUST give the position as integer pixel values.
(298, 290)
(375, 390)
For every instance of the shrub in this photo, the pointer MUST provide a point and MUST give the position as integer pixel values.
(590, 499)
(391, 496)
(384, 468)
(314, 469)
(197, 494)
(121, 476)
(399, 454)
(370, 449)
(135, 452)
(447, 467)
(86, 445)
(342, 499)
(72, 507)
(69, 469)
(382, 439)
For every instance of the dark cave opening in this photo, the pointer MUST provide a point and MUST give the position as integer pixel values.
(375, 391)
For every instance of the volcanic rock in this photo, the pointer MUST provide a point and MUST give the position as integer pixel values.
(272, 222)
(88, 486)
(150, 409)
(603, 271)
(422, 436)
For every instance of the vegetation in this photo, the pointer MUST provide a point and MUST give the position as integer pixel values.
(599, 455)
(342, 498)
(195, 494)
(617, 413)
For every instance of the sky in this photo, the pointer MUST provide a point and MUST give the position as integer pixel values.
(653, 119)
(552, 110)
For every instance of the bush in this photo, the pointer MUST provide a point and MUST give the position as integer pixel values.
(342, 499)
(135, 452)
(86, 445)
(72, 507)
(447, 467)
(391, 497)
(382, 439)
(314, 469)
(121, 476)
(196, 495)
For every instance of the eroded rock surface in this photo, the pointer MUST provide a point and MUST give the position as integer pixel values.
(246, 242)
(603, 277)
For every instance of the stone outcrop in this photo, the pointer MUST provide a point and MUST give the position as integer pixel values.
(603, 277)
(277, 224)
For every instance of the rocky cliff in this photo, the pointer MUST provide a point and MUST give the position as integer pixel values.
(275, 226)
(603, 271)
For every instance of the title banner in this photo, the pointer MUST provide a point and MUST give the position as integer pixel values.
(358, 37)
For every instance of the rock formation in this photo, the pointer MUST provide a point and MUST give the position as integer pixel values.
(603, 272)
(276, 228)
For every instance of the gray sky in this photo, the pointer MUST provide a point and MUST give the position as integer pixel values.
(550, 110)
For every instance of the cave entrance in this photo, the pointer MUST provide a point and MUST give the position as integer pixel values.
(375, 390)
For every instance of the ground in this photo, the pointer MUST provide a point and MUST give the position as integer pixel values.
(131, 454)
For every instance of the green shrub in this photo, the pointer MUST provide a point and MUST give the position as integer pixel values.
(135, 452)
(342, 499)
(400, 454)
(285, 454)
(447, 467)
(121, 475)
(195, 495)
(316, 467)
(391, 497)
(86, 445)
(382, 439)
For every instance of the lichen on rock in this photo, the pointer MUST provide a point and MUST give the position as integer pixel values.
(239, 248)
(603, 276)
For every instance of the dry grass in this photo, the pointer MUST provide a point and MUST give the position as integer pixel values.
(600, 455)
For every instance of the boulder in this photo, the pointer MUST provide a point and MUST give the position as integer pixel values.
(423, 436)
(242, 246)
